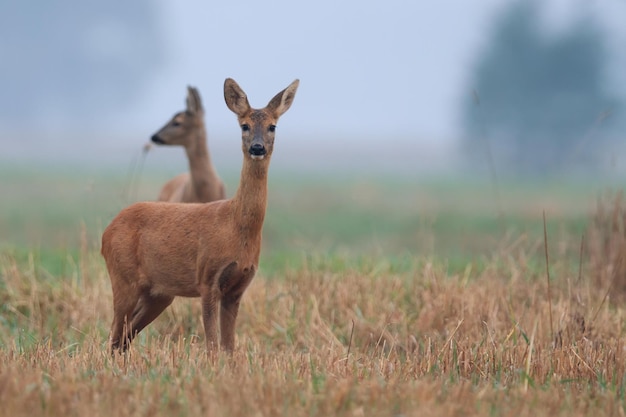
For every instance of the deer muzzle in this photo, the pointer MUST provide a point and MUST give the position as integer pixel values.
(257, 150)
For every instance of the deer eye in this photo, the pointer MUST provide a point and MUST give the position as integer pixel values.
(245, 127)
(175, 123)
(272, 128)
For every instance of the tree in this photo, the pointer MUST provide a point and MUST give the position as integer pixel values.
(539, 98)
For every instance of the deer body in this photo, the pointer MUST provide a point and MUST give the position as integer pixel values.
(156, 251)
(201, 184)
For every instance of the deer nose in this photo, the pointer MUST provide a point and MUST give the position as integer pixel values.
(257, 149)
(156, 139)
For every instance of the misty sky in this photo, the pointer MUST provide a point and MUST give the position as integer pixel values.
(397, 67)
(393, 70)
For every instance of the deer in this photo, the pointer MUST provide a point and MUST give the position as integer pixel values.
(156, 251)
(186, 128)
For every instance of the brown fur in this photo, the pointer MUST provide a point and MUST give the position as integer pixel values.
(156, 251)
(201, 184)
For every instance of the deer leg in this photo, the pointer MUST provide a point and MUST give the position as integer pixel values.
(232, 284)
(229, 305)
(209, 316)
(229, 308)
(147, 309)
(124, 302)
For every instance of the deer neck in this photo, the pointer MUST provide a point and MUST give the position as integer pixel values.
(200, 168)
(250, 200)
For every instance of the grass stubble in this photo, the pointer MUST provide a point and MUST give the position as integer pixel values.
(422, 342)
(348, 338)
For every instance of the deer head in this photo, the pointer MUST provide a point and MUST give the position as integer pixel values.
(258, 125)
(181, 128)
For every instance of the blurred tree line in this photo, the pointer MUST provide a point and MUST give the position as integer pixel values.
(541, 103)
(70, 60)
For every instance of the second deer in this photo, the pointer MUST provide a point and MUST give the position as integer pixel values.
(201, 184)
(155, 251)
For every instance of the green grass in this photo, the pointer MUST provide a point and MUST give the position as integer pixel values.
(368, 215)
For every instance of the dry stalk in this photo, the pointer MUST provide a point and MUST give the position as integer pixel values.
(545, 247)
(349, 344)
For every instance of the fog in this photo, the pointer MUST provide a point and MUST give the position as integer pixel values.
(380, 82)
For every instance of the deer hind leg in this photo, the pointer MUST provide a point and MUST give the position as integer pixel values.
(125, 298)
(148, 308)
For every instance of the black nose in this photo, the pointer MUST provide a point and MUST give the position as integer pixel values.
(157, 139)
(257, 149)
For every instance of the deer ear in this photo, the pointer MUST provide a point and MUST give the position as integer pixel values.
(194, 102)
(236, 99)
(282, 101)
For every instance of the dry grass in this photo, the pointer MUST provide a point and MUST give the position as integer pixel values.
(607, 245)
(319, 340)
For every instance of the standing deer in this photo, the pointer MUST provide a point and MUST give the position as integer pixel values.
(201, 184)
(155, 251)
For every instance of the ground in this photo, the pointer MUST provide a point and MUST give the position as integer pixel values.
(376, 295)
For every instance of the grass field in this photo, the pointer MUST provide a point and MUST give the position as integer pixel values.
(377, 295)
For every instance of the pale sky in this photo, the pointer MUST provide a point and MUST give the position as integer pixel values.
(397, 67)
(371, 72)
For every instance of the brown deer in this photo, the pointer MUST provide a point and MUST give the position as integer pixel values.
(201, 184)
(155, 251)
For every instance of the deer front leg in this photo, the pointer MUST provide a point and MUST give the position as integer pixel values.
(228, 317)
(209, 317)
(232, 283)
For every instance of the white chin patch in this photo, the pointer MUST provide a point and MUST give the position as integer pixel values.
(257, 157)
